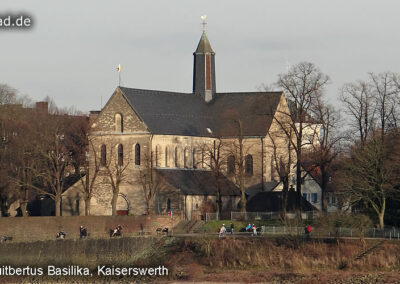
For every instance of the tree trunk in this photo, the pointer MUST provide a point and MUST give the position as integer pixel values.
(381, 215)
(151, 209)
(241, 170)
(87, 206)
(298, 169)
(298, 186)
(284, 196)
(114, 204)
(57, 201)
(219, 202)
(324, 187)
(24, 204)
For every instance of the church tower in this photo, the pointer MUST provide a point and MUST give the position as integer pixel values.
(204, 69)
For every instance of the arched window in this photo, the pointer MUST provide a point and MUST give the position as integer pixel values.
(178, 156)
(249, 165)
(231, 165)
(157, 156)
(186, 158)
(166, 157)
(103, 155)
(119, 123)
(120, 155)
(194, 155)
(168, 204)
(137, 154)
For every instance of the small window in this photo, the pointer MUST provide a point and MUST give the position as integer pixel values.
(314, 197)
(137, 154)
(120, 155)
(119, 124)
(231, 165)
(103, 156)
(305, 196)
(168, 204)
(249, 165)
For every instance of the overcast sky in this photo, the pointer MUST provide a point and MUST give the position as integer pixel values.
(72, 52)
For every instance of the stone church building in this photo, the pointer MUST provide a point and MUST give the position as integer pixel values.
(163, 147)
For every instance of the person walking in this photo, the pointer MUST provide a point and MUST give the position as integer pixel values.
(254, 228)
(307, 231)
(82, 232)
(222, 231)
(232, 228)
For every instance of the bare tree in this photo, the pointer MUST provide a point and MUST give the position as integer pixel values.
(282, 163)
(88, 176)
(8, 95)
(326, 146)
(373, 111)
(359, 106)
(214, 158)
(53, 157)
(302, 84)
(370, 175)
(372, 105)
(237, 148)
(116, 170)
(150, 185)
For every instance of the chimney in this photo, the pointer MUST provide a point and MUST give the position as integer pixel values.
(42, 107)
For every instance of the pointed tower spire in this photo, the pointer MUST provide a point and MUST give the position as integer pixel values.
(204, 68)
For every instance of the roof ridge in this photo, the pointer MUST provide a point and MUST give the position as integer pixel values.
(157, 91)
(244, 93)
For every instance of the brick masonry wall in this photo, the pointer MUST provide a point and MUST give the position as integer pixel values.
(46, 228)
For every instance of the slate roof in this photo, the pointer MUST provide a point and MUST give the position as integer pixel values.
(188, 114)
(197, 182)
(272, 202)
(204, 45)
(268, 186)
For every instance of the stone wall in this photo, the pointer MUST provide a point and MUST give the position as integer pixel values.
(46, 228)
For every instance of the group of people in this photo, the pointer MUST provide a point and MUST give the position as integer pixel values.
(82, 233)
(222, 231)
(252, 228)
(117, 232)
(249, 228)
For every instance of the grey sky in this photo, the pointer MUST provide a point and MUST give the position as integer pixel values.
(73, 50)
